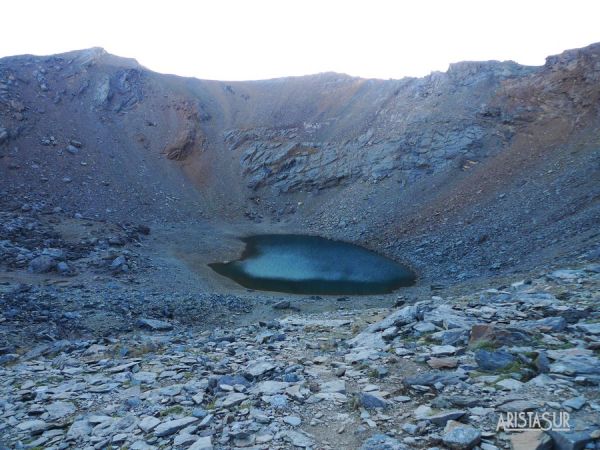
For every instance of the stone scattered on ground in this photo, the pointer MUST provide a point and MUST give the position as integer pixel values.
(394, 385)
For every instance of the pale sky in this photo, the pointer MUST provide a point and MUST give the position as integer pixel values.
(256, 39)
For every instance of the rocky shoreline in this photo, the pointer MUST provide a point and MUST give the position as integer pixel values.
(432, 373)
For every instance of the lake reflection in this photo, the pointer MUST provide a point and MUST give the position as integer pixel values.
(313, 265)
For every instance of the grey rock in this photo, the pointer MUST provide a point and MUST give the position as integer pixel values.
(148, 424)
(367, 341)
(59, 410)
(141, 445)
(298, 439)
(451, 337)
(78, 430)
(589, 328)
(294, 421)
(461, 437)
(493, 361)
(33, 426)
(183, 440)
(203, 443)
(232, 380)
(410, 428)
(424, 327)
(118, 263)
(333, 386)
(548, 323)
(510, 384)
(154, 325)
(577, 365)
(519, 406)
(259, 368)
(285, 304)
(3, 135)
(542, 363)
(441, 418)
(443, 350)
(232, 400)
(42, 264)
(370, 401)
(432, 378)
(270, 387)
(531, 440)
(570, 440)
(8, 358)
(403, 316)
(443, 401)
(144, 377)
(278, 401)
(262, 338)
(63, 268)
(575, 402)
(172, 426)
(382, 442)
(498, 335)
(567, 274)
(446, 317)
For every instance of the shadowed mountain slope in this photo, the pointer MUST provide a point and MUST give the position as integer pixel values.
(490, 166)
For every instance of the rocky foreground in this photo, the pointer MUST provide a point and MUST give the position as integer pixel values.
(436, 373)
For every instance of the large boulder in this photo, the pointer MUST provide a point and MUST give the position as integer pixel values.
(42, 264)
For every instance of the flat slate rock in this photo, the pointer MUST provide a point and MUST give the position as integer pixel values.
(432, 378)
(442, 418)
(258, 368)
(531, 440)
(570, 440)
(519, 406)
(382, 442)
(203, 443)
(154, 325)
(298, 439)
(458, 436)
(591, 328)
(492, 361)
(173, 426)
(370, 401)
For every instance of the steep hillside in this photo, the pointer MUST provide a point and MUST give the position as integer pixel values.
(490, 166)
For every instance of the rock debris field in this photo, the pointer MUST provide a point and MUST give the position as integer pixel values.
(435, 373)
